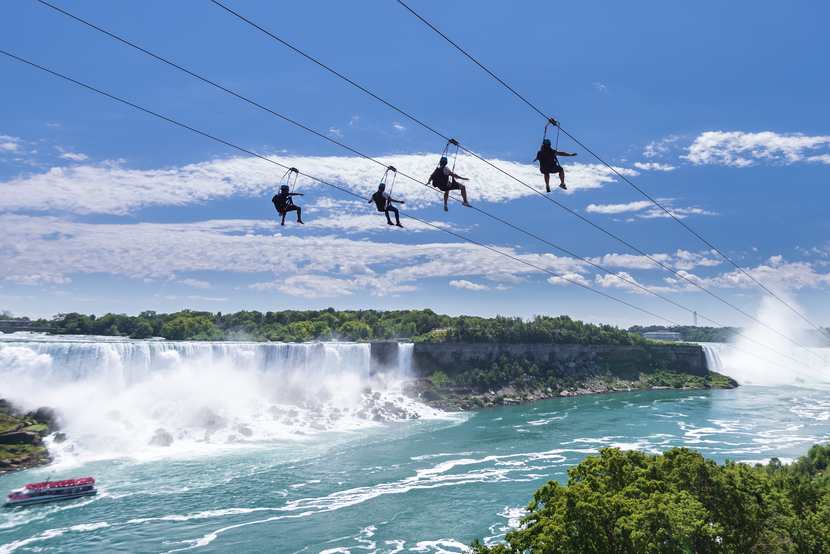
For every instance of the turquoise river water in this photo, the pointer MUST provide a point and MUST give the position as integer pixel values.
(325, 478)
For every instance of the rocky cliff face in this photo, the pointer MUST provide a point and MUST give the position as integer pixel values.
(566, 359)
(21, 437)
(475, 375)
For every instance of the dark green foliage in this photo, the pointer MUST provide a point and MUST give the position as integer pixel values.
(297, 326)
(525, 374)
(630, 502)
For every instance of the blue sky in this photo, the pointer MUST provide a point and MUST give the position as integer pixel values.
(718, 110)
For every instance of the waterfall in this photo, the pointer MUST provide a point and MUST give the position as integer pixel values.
(405, 350)
(750, 364)
(119, 396)
(712, 352)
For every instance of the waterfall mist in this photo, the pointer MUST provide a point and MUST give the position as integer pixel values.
(148, 398)
(778, 361)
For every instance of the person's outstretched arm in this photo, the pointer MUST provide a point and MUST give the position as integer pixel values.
(560, 153)
(457, 176)
(295, 194)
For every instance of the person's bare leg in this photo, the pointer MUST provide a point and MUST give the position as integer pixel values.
(300, 215)
(464, 195)
(562, 179)
(446, 197)
(282, 221)
(547, 182)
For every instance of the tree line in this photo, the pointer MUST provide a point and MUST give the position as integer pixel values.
(330, 324)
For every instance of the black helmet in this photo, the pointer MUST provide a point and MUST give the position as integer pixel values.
(284, 188)
(382, 186)
(443, 161)
(546, 142)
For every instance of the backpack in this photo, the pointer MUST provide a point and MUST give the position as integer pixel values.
(380, 201)
(439, 179)
(281, 202)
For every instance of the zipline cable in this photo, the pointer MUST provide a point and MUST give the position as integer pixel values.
(294, 170)
(312, 177)
(450, 140)
(616, 172)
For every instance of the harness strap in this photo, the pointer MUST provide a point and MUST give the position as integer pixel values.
(394, 178)
(550, 122)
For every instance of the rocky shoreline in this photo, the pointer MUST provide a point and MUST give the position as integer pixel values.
(447, 397)
(21, 437)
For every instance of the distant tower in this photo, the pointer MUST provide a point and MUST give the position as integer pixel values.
(695, 314)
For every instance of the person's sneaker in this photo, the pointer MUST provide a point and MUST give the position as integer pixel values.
(446, 209)
(547, 188)
(467, 204)
(300, 221)
(282, 223)
(398, 225)
(563, 187)
(389, 223)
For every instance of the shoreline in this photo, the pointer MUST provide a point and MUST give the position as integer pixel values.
(449, 398)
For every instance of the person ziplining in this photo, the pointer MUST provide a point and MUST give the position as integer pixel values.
(548, 158)
(383, 200)
(444, 179)
(283, 200)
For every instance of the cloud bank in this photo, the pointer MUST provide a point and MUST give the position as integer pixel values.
(112, 188)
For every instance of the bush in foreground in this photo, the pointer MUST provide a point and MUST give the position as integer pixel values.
(630, 502)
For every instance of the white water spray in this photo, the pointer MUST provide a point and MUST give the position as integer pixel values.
(149, 398)
(779, 361)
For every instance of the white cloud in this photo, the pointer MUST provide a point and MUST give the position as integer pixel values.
(680, 259)
(310, 286)
(776, 273)
(37, 278)
(623, 281)
(740, 149)
(9, 143)
(335, 132)
(468, 285)
(195, 283)
(679, 213)
(660, 148)
(71, 156)
(646, 210)
(569, 279)
(111, 188)
(398, 127)
(654, 166)
(618, 208)
(329, 264)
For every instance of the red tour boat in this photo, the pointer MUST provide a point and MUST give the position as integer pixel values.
(48, 491)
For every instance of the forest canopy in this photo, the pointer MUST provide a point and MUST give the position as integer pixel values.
(330, 324)
(631, 502)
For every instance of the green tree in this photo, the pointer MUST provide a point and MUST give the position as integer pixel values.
(630, 502)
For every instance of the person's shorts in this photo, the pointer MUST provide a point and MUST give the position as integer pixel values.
(550, 169)
(450, 186)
